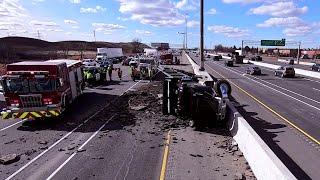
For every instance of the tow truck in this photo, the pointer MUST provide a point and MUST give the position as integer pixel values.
(34, 89)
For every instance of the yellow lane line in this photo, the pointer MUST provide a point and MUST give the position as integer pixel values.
(270, 109)
(165, 157)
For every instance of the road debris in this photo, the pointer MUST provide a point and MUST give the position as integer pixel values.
(9, 159)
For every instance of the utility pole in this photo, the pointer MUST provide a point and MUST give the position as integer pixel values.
(201, 36)
(242, 48)
(186, 31)
(184, 35)
(94, 35)
(298, 56)
(39, 34)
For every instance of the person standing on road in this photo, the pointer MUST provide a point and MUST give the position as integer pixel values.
(150, 74)
(120, 74)
(132, 73)
(90, 78)
(110, 72)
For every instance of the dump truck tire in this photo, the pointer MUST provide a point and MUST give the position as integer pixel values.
(217, 85)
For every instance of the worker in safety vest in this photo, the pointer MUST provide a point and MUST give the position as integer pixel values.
(85, 75)
(90, 77)
(133, 73)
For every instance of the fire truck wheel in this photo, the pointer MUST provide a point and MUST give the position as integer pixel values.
(217, 85)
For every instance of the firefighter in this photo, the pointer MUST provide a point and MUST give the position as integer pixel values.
(133, 72)
(90, 78)
(120, 74)
(110, 72)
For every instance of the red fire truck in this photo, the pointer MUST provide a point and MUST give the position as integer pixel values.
(41, 89)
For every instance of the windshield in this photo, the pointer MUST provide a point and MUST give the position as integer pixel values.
(36, 85)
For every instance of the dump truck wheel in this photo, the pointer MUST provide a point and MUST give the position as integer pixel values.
(217, 85)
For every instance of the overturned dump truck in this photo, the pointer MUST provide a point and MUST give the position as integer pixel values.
(41, 89)
(203, 104)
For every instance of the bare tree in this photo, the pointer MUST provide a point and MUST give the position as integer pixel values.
(82, 49)
(65, 48)
(136, 45)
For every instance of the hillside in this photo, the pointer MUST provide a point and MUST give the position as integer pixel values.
(20, 48)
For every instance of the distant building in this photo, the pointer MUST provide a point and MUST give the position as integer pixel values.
(310, 53)
(160, 46)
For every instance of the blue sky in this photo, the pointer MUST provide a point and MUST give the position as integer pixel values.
(226, 21)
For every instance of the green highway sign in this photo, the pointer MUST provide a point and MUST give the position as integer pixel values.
(273, 42)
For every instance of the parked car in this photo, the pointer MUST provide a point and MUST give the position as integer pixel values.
(253, 70)
(228, 62)
(285, 71)
(134, 62)
(89, 62)
(217, 57)
(316, 67)
(291, 61)
(208, 56)
(256, 58)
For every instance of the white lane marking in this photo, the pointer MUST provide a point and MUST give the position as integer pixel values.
(311, 80)
(274, 89)
(13, 125)
(43, 152)
(85, 143)
(65, 136)
(281, 87)
(316, 89)
(91, 137)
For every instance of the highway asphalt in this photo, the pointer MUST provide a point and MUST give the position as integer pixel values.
(88, 142)
(284, 112)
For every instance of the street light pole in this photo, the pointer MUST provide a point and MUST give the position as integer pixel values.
(201, 36)
(183, 44)
(298, 56)
(186, 31)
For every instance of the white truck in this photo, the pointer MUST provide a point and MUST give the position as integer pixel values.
(108, 53)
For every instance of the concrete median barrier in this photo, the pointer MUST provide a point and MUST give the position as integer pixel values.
(262, 160)
(196, 68)
(296, 62)
(298, 71)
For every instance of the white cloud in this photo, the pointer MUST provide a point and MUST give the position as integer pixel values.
(71, 22)
(212, 11)
(75, 27)
(279, 9)
(75, 1)
(68, 33)
(143, 32)
(297, 31)
(152, 12)
(37, 1)
(241, 1)
(229, 31)
(282, 22)
(122, 19)
(92, 10)
(193, 23)
(187, 5)
(11, 8)
(107, 28)
(43, 23)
